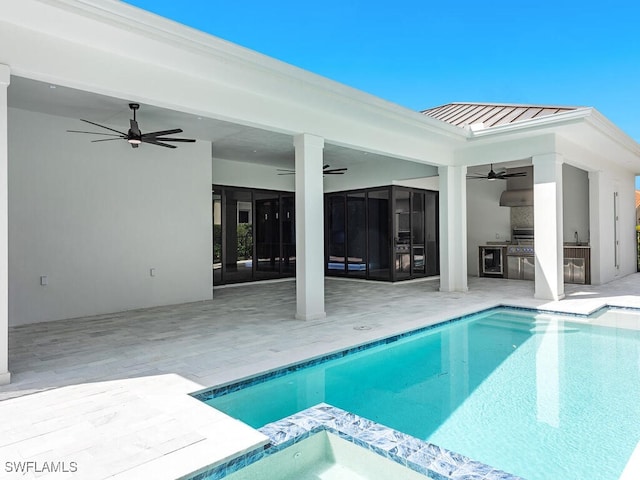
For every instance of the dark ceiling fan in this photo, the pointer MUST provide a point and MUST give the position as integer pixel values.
(500, 175)
(325, 171)
(134, 136)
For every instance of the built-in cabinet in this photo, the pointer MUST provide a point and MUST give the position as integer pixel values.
(494, 262)
(577, 264)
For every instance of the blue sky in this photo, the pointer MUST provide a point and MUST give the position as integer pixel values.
(421, 54)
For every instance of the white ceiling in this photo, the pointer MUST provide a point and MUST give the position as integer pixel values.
(229, 140)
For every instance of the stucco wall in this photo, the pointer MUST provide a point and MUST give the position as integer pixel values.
(575, 201)
(486, 219)
(243, 174)
(603, 185)
(96, 217)
(377, 173)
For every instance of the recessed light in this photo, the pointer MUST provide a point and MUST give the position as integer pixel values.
(52, 87)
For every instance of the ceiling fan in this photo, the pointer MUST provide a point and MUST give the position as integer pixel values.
(325, 171)
(134, 136)
(500, 175)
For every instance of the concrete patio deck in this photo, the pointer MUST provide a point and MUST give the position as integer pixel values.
(109, 393)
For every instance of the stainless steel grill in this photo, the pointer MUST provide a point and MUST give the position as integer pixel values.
(520, 254)
(522, 236)
(520, 250)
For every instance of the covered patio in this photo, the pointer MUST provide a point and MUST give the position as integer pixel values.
(111, 392)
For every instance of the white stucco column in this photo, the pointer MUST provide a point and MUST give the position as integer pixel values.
(453, 229)
(5, 376)
(597, 217)
(309, 227)
(547, 220)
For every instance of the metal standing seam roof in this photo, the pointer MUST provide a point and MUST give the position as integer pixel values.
(490, 114)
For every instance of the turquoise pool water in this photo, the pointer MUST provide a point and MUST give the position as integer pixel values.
(541, 396)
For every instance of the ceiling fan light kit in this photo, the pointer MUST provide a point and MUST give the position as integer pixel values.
(134, 136)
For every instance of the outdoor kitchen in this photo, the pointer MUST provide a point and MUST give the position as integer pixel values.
(512, 255)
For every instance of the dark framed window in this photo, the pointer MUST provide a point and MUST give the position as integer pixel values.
(253, 234)
(384, 233)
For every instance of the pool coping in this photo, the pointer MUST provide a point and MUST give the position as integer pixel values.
(418, 455)
(209, 393)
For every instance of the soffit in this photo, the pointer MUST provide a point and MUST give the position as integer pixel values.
(229, 140)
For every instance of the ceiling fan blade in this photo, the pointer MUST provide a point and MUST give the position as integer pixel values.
(161, 139)
(95, 133)
(331, 172)
(324, 167)
(478, 178)
(288, 173)
(134, 127)
(335, 170)
(102, 126)
(153, 141)
(108, 139)
(162, 133)
(511, 175)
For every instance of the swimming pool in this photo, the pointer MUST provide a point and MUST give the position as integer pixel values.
(539, 395)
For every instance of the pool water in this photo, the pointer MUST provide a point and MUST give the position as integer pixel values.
(536, 395)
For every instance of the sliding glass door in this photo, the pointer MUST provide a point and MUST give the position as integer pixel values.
(253, 235)
(238, 236)
(368, 231)
(378, 234)
(267, 235)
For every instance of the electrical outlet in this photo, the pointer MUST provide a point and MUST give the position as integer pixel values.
(44, 280)
(152, 272)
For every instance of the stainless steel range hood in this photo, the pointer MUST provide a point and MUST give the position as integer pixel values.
(517, 198)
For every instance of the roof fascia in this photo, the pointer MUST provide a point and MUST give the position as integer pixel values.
(133, 19)
(531, 124)
(588, 115)
(613, 132)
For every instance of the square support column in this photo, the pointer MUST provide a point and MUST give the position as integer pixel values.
(597, 216)
(453, 229)
(547, 220)
(309, 227)
(5, 376)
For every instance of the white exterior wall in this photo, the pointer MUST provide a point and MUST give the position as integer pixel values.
(377, 174)
(426, 183)
(603, 185)
(575, 201)
(604, 178)
(96, 217)
(243, 174)
(486, 219)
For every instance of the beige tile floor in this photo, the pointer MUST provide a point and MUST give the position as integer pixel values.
(110, 392)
